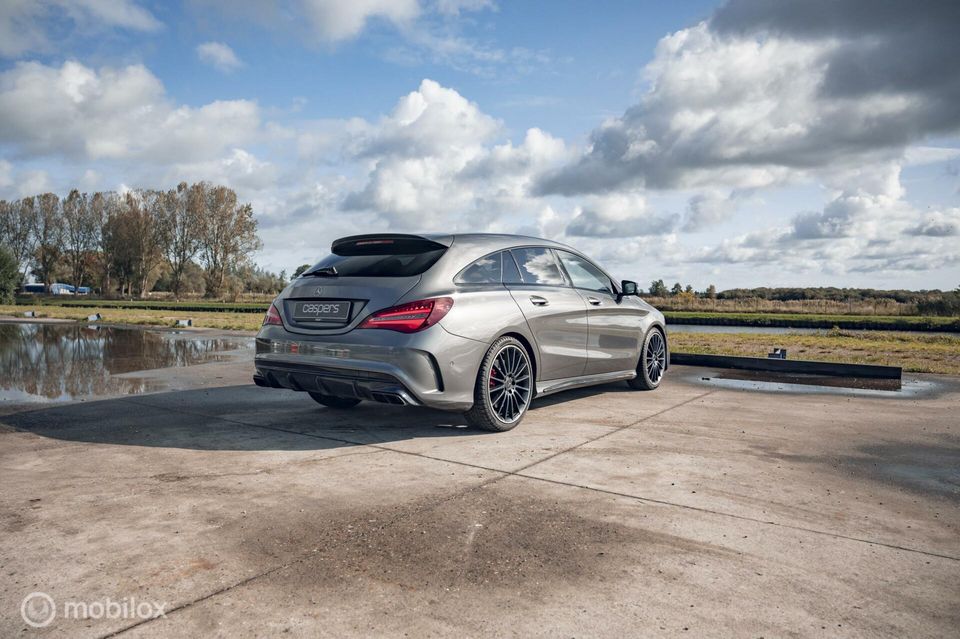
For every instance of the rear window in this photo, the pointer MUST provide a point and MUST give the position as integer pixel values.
(382, 257)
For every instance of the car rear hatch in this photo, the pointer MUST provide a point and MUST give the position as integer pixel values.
(364, 273)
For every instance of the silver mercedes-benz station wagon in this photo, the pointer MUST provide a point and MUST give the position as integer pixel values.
(476, 323)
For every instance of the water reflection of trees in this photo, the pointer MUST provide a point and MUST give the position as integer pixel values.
(66, 361)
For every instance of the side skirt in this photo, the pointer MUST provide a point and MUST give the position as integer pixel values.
(556, 385)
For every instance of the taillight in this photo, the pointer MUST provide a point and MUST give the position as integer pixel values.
(410, 317)
(272, 316)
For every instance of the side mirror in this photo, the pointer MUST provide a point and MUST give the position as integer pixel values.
(628, 288)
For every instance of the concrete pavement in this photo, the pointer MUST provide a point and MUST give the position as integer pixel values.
(693, 510)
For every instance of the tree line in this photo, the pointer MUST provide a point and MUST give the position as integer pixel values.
(190, 239)
(790, 294)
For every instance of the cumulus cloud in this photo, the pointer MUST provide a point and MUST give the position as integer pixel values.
(112, 114)
(619, 216)
(436, 155)
(456, 7)
(6, 174)
(334, 21)
(938, 224)
(24, 24)
(867, 227)
(219, 55)
(768, 91)
(709, 208)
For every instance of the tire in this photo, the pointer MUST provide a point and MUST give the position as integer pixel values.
(331, 401)
(653, 362)
(504, 387)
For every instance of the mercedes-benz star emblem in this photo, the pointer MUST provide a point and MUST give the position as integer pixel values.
(319, 290)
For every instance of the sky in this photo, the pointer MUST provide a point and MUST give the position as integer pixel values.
(741, 143)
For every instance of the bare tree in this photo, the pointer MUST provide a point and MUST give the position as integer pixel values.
(229, 235)
(181, 215)
(48, 232)
(80, 230)
(16, 231)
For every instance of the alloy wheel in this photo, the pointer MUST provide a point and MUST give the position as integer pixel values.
(655, 357)
(510, 385)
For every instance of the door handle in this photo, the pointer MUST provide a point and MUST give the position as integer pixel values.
(539, 301)
(595, 301)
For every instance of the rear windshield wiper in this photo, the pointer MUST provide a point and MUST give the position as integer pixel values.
(326, 271)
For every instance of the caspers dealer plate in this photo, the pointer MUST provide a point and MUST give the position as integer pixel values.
(322, 311)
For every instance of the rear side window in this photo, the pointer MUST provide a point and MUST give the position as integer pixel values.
(381, 257)
(538, 266)
(511, 274)
(486, 270)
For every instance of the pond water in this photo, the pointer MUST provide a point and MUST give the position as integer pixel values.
(62, 362)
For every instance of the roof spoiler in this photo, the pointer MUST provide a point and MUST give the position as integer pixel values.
(390, 244)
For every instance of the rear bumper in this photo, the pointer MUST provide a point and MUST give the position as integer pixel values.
(432, 368)
(338, 382)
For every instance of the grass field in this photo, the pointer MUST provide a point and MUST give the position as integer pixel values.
(812, 320)
(142, 316)
(913, 352)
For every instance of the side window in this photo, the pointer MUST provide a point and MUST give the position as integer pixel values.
(538, 266)
(585, 274)
(511, 274)
(486, 270)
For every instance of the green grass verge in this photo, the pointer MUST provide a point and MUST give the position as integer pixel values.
(797, 320)
(914, 352)
(153, 305)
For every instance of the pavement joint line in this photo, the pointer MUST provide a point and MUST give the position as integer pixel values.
(502, 475)
(519, 472)
(301, 559)
(614, 431)
(663, 502)
(382, 446)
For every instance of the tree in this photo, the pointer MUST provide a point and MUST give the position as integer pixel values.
(676, 289)
(132, 241)
(9, 275)
(100, 206)
(658, 289)
(181, 214)
(688, 289)
(81, 229)
(117, 247)
(151, 236)
(711, 292)
(16, 231)
(48, 232)
(229, 236)
(301, 270)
